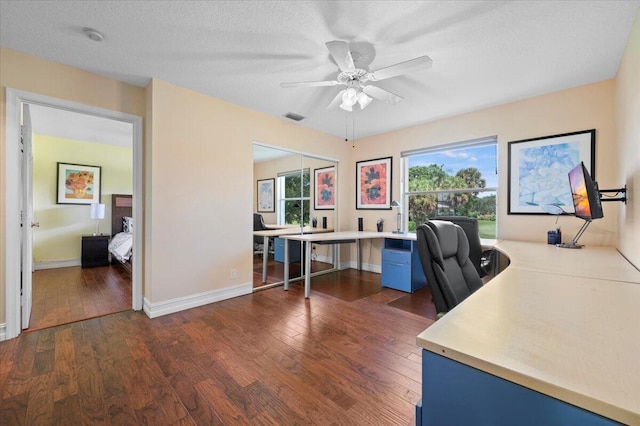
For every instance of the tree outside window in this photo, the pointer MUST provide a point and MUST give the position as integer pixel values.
(293, 197)
(453, 182)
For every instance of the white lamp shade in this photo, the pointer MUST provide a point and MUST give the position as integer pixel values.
(346, 106)
(97, 211)
(363, 100)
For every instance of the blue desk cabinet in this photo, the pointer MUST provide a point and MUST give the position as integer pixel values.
(456, 394)
(401, 267)
(278, 250)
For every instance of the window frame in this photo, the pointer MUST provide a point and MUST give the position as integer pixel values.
(282, 200)
(404, 178)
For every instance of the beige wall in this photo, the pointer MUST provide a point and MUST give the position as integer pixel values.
(581, 108)
(628, 136)
(202, 188)
(270, 169)
(35, 75)
(199, 166)
(62, 225)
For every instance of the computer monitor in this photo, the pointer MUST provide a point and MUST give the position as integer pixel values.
(586, 201)
(585, 194)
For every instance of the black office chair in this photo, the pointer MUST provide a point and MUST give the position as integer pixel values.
(258, 242)
(482, 260)
(444, 254)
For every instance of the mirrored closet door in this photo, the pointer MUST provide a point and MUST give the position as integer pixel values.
(295, 193)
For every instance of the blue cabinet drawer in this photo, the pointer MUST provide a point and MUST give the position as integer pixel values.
(401, 269)
(396, 269)
(278, 250)
(396, 275)
(396, 256)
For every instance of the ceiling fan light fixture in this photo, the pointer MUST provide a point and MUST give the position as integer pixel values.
(350, 96)
(364, 100)
(346, 106)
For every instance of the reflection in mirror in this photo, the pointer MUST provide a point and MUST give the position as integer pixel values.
(322, 208)
(285, 202)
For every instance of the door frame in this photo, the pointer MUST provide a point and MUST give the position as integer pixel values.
(12, 239)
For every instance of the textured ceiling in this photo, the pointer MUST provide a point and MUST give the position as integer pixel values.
(484, 53)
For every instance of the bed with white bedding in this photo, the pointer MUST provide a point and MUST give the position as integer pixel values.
(121, 244)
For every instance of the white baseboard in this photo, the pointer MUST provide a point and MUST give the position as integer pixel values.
(352, 264)
(54, 264)
(154, 310)
(3, 332)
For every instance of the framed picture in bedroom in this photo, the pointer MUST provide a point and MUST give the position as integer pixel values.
(325, 188)
(373, 180)
(78, 184)
(266, 196)
(538, 170)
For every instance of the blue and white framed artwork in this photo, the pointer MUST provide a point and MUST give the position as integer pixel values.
(266, 196)
(539, 167)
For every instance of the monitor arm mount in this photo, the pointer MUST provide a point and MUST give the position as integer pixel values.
(574, 243)
(622, 192)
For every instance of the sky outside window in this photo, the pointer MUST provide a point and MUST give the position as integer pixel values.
(482, 158)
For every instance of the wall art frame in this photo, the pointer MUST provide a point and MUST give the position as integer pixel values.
(266, 195)
(538, 170)
(78, 183)
(324, 188)
(373, 184)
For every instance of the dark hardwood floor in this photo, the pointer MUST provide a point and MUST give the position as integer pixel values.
(65, 295)
(272, 357)
(275, 270)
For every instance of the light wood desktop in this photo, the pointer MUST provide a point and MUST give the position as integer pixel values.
(285, 230)
(565, 323)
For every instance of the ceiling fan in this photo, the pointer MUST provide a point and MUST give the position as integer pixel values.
(356, 79)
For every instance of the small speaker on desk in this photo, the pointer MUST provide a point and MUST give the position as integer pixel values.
(360, 224)
(324, 222)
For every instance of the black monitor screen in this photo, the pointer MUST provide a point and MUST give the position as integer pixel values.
(584, 191)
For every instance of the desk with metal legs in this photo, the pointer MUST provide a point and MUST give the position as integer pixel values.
(273, 233)
(332, 238)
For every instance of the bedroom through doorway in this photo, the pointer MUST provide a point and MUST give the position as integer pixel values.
(73, 276)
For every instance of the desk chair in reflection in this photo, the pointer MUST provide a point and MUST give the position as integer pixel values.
(443, 248)
(482, 260)
(258, 242)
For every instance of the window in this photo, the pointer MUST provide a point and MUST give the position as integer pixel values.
(453, 180)
(293, 197)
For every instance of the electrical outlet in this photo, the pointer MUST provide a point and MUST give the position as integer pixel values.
(232, 275)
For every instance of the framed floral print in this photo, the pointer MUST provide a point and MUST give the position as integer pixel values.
(78, 184)
(373, 180)
(325, 188)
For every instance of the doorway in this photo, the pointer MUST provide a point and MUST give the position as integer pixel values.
(72, 278)
(14, 278)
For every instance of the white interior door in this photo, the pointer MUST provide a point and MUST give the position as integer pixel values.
(27, 216)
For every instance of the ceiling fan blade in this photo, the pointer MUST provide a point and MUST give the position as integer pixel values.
(412, 65)
(337, 100)
(340, 52)
(382, 95)
(311, 83)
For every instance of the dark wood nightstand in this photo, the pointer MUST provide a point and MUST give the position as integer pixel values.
(95, 250)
